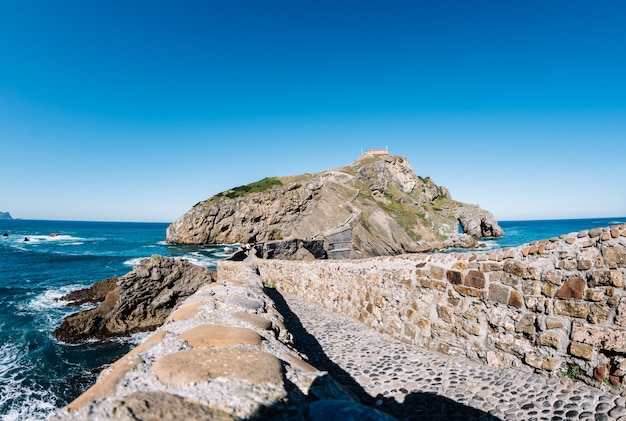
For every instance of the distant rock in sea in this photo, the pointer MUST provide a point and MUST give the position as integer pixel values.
(5, 215)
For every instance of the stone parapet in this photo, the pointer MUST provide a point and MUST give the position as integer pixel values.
(548, 305)
(224, 354)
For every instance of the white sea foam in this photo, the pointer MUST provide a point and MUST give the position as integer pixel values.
(17, 401)
(134, 261)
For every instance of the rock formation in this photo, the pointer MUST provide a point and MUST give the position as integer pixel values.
(5, 215)
(138, 301)
(374, 206)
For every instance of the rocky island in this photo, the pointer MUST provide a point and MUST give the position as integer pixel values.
(376, 206)
(5, 215)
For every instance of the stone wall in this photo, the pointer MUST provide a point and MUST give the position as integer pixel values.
(550, 305)
(224, 354)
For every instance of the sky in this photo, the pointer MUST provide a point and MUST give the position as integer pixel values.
(137, 110)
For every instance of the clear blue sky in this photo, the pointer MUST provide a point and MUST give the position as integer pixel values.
(136, 110)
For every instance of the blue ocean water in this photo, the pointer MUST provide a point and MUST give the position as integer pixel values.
(39, 374)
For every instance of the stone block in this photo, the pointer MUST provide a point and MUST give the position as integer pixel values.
(468, 292)
(187, 312)
(599, 278)
(552, 276)
(255, 320)
(490, 267)
(584, 264)
(533, 360)
(535, 303)
(532, 287)
(550, 290)
(515, 267)
(554, 323)
(601, 337)
(516, 300)
(614, 257)
(573, 288)
(599, 313)
(581, 350)
(578, 310)
(614, 232)
(553, 339)
(570, 240)
(510, 280)
(454, 277)
(606, 236)
(499, 293)
(475, 279)
(527, 325)
(437, 272)
(445, 313)
(620, 313)
(205, 364)
(551, 363)
(214, 335)
(595, 295)
(595, 232)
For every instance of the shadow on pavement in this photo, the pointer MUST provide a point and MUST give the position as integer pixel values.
(416, 405)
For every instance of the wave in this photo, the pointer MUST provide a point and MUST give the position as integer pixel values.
(18, 400)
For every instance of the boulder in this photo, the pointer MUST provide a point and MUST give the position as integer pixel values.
(140, 301)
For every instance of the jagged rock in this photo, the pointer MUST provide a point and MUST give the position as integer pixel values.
(140, 301)
(92, 295)
(478, 223)
(5, 215)
(377, 202)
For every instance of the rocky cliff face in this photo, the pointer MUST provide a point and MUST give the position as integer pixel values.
(379, 204)
(139, 301)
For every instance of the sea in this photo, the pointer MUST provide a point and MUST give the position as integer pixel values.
(40, 261)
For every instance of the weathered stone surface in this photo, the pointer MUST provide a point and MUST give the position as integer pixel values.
(527, 325)
(614, 257)
(254, 319)
(571, 309)
(620, 314)
(499, 293)
(214, 335)
(186, 312)
(581, 351)
(475, 279)
(142, 300)
(454, 277)
(607, 338)
(516, 300)
(515, 267)
(160, 406)
(94, 294)
(573, 288)
(204, 364)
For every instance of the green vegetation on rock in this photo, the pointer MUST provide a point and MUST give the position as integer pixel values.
(258, 186)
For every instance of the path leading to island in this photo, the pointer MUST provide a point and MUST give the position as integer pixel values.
(413, 384)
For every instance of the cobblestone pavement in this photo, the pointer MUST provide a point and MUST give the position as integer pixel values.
(413, 384)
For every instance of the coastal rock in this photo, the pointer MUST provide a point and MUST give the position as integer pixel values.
(92, 295)
(5, 215)
(140, 301)
(374, 206)
(478, 223)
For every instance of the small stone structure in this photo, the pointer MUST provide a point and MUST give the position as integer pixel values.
(548, 305)
(378, 152)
